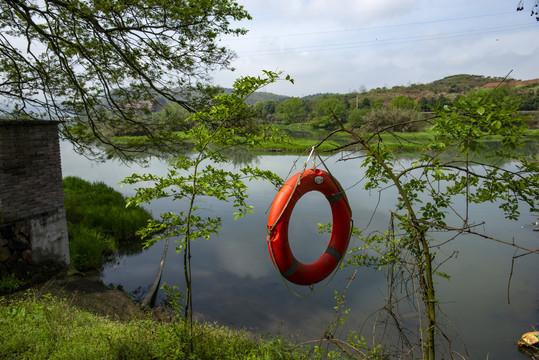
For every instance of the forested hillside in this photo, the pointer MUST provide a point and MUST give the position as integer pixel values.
(404, 106)
(401, 104)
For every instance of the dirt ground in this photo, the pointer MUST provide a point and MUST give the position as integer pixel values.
(86, 291)
(90, 294)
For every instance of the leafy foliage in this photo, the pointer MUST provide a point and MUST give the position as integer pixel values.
(291, 110)
(322, 114)
(395, 119)
(356, 117)
(101, 67)
(454, 166)
(173, 116)
(227, 124)
(405, 99)
(404, 103)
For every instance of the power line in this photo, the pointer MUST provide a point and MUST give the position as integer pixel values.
(247, 37)
(381, 42)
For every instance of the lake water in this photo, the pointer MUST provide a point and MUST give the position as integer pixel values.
(235, 283)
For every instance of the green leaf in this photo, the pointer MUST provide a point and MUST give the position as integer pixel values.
(444, 275)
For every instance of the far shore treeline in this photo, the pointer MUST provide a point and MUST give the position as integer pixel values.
(368, 110)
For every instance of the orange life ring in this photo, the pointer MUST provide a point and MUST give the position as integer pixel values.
(279, 217)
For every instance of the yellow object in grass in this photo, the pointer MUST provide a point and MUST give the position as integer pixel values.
(529, 339)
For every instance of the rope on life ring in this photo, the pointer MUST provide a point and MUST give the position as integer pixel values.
(279, 217)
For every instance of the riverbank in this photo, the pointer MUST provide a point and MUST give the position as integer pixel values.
(79, 317)
(302, 137)
(99, 224)
(56, 313)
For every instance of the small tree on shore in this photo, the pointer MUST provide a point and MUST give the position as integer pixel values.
(192, 178)
(455, 166)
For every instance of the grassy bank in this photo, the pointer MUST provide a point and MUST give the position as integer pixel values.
(86, 320)
(46, 327)
(302, 137)
(98, 222)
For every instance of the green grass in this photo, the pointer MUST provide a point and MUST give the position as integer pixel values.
(10, 282)
(88, 247)
(139, 140)
(303, 137)
(306, 140)
(50, 328)
(98, 221)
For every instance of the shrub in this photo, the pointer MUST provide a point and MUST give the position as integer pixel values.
(401, 120)
(98, 222)
(101, 207)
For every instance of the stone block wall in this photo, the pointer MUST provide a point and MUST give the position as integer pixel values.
(31, 196)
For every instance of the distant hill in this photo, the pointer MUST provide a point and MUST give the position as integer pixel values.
(319, 95)
(461, 83)
(259, 96)
(450, 87)
(265, 96)
(517, 83)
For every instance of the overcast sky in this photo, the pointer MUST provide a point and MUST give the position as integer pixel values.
(348, 45)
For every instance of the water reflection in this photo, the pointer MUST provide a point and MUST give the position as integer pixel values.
(241, 157)
(234, 281)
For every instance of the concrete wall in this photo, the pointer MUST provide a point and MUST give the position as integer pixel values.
(31, 194)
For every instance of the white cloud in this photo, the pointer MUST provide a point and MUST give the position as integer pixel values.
(337, 46)
(254, 262)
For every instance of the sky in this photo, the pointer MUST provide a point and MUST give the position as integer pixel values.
(342, 46)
